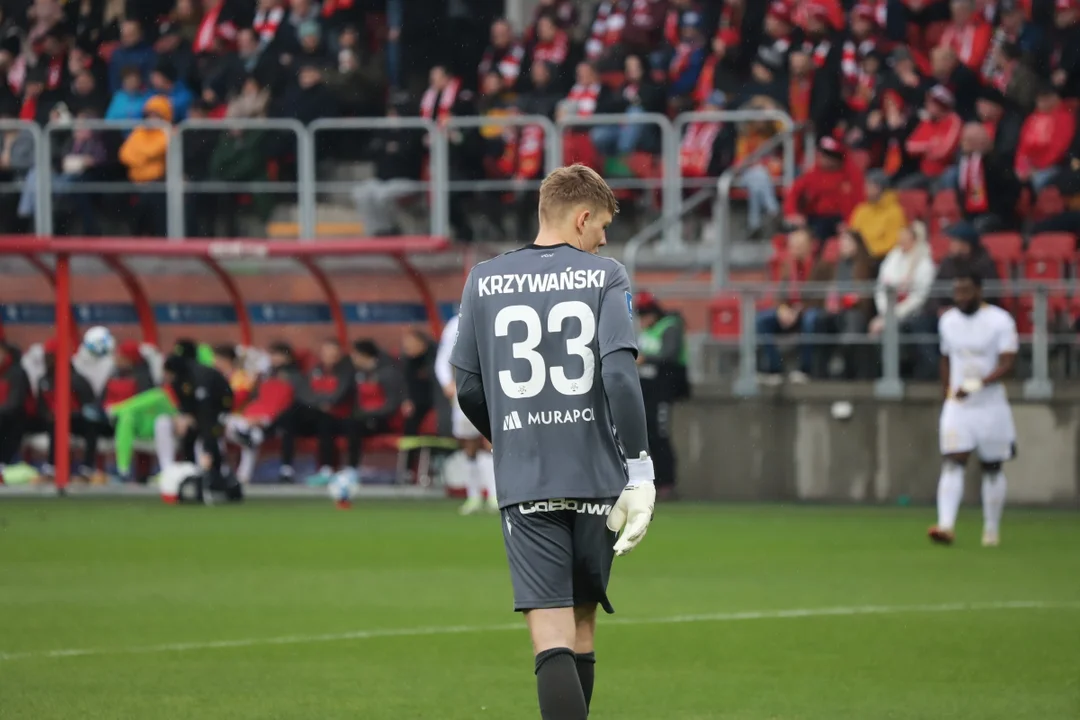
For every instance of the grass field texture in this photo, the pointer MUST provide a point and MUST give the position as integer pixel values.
(132, 609)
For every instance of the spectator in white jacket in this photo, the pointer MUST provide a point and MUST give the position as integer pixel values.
(909, 269)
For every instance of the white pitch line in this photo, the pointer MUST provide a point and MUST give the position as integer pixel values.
(466, 629)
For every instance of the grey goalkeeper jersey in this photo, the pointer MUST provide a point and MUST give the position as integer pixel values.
(535, 324)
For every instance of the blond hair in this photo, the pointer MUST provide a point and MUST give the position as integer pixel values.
(573, 185)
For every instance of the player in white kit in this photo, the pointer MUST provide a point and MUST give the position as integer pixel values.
(480, 475)
(978, 349)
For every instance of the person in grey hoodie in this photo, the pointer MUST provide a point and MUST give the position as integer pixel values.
(380, 393)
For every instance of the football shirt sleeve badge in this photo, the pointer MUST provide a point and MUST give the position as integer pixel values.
(630, 304)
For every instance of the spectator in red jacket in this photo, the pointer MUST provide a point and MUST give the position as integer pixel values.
(1045, 139)
(267, 406)
(16, 404)
(822, 197)
(968, 35)
(935, 139)
(130, 376)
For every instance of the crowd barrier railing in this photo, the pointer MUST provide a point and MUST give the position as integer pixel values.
(180, 185)
(1047, 309)
(438, 163)
(451, 135)
(52, 183)
(669, 156)
(177, 185)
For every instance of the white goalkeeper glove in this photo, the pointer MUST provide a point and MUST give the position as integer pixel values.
(634, 508)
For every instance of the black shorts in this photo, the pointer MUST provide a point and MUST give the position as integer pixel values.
(560, 553)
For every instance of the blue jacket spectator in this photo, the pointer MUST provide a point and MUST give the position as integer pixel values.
(164, 81)
(128, 102)
(133, 51)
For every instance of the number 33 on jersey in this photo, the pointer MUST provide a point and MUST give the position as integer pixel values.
(535, 324)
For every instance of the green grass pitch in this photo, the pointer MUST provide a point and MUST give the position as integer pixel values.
(132, 609)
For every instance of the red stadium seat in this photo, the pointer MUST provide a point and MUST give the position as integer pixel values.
(1048, 203)
(725, 317)
(1051, 258)
(944, 211)
(1006, 249)
(916, 203)
(939, 247)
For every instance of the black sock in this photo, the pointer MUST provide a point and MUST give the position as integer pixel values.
(558, 686)
(586, 672)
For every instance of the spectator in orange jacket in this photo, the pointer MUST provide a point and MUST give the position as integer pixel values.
(1044, 139)
(934, 140)
(144, 154)
(826, 194)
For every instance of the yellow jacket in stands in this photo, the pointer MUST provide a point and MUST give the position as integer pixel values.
(144, 150)
(879, 223)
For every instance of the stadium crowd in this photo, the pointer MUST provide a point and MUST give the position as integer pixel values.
(970, 102)
(901, 85)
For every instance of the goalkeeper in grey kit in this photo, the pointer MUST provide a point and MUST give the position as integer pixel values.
(545, 369)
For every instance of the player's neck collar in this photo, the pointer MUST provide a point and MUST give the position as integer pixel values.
(534, 246)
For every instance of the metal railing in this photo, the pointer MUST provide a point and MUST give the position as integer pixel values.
(179, 186)
(1039, 345)
(41, 183)
(669, 152)
(306, 187)
(668, 225)
(722, 213)
(439, 164)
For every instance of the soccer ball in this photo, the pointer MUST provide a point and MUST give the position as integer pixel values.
(343, 487)
(99, 342)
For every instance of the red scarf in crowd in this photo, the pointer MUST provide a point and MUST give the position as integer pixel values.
(530, 152)
(506, 62)
(266, 24)
(210, 29)
(606, 29)
(973, 184)
(445, 100)
(584, 97)
(968, 42)
(695, 152)
(554, 52)
(819, 52)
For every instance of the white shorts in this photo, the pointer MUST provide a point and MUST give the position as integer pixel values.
(462, 426)
(985, 428)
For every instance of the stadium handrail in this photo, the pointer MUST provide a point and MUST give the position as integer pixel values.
(439, 168)
(890, 386)
(306, 187)
(665, 224)
(722, 212)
